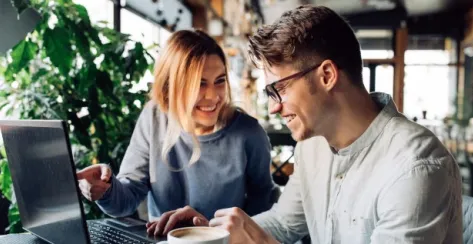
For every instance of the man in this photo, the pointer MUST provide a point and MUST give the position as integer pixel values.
(363, 172)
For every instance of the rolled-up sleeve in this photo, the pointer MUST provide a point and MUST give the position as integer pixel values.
(420, 206)
(286, 220)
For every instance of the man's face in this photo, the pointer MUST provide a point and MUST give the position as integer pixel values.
(304, 102)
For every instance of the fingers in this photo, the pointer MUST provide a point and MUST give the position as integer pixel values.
(218, 222)
(93, 191)
(171, 219)
(162, 222)
(95, 172)
(97, 191)
(197, 221)
(228, 211)
(177, 217)
(184, 215)
(85, 189)
(106, 173)
(80, 175)
(228, 218)
(150, 227)
(88, 173)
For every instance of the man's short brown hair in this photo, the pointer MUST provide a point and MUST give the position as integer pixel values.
(306, 35)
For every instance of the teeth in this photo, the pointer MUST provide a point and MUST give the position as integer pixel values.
(208, 109)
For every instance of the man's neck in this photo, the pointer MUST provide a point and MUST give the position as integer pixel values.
(356, 113)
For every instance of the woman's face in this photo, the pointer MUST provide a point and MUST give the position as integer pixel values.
(212, 93)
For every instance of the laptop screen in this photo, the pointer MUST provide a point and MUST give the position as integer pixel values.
(44, 180)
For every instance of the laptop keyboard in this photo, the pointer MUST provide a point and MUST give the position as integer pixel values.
(102, 234)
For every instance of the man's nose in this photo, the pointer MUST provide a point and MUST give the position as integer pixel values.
(274, 107)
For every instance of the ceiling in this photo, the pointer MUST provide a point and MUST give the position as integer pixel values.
(412, 7)
(420, 15)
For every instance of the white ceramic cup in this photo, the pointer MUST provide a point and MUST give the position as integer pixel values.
(197, 235)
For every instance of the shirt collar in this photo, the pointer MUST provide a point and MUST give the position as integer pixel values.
(388, 111)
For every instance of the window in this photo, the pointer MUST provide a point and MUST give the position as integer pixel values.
(151, 35)
(99, 10)
(384, 79)
(366, 78)
(430, 78)
(375, 44)
(383, 75)
(429, 87)
(377, 54)
(139, 28)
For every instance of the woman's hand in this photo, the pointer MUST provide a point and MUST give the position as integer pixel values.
(94, 181)
(186, 216)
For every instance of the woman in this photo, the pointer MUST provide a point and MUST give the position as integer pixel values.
(190, 147)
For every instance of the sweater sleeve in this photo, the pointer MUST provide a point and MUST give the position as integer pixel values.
(259, 183)
(131, 185)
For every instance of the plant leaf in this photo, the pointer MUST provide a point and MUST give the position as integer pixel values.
(20, 5)
(40, 73)
(82, 43)
(21, 55)
(58, 48)
(78, 29)
(3, 154)
(6, 184)
(14, 219)
(82, 13)
(80, 130)
(3, 105)
(86, 78)
(9, 74)
(106, 85)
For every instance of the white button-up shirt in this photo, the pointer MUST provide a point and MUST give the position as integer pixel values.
(395, 184)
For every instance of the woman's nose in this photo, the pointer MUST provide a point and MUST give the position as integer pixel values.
(211, 93)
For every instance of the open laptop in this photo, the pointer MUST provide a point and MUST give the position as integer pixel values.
(46, 188)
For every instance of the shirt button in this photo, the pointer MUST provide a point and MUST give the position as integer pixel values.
(340, 177)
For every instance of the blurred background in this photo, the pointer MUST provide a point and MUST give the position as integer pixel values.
(90, 62)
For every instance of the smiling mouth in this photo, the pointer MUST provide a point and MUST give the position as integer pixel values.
(207, 108)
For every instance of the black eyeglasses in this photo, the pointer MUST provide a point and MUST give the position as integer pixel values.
(272, 91)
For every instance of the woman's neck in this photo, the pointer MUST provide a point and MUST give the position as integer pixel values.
(201, 130)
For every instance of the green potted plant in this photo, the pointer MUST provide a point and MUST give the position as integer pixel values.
(71, 69)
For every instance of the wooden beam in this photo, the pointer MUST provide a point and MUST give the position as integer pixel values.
(378, 61)
(468, 39)
(401, 46)
(198, 9)
(461, 84)
(464, 86)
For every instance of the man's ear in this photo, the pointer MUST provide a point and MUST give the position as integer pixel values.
(328, 72)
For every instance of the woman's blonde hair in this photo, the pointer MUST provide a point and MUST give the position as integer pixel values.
(178, 74)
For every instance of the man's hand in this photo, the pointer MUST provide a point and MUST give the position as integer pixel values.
(94, 181)
(241, 227)
(186, 216)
